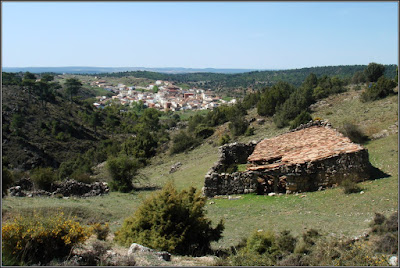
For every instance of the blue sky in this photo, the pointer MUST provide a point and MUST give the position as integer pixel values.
(253, 35)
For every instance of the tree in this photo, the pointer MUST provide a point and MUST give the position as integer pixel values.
(172, 221)
(29, 76)
(47, 77)
(155, 89)
(95, 121)
(72, 86)
(123, 171)
(358, 77)
(303, 118)
(238, 126)
(310, 81)
(10, 79)
(44, 91)
(28, 82)
(374, 71)
(273, 97)
(183, 141)
(379, 90)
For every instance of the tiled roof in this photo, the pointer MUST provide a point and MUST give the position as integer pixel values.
(305, 145)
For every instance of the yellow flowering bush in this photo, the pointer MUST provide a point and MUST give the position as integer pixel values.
(100, 230)
(40, 239)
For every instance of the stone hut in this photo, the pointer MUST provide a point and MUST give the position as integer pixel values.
(311, 157)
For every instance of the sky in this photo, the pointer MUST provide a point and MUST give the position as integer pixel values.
(244, 35)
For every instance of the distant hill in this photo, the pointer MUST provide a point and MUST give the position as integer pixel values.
(254, 79)
(99, 70)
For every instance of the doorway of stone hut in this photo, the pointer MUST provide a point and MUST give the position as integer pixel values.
(271, 184)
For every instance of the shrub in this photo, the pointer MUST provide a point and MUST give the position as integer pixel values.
(122, 170)
(224, 139)
(360, 255)
(245, 258)
(261, 242)
(260, 250)
(354, 133)
(378, 220)
(387, 231)
(183, 142)
(387, 243)
(43, 178)
(350, 187)
(6, 180)
(249, 131)
(17, 122)
(171, 221)
(238, 126)
(379, 90)
(303, 118)
(286, 242)
(39, 239)
(100, 230)
(203, 132)
(83, 177)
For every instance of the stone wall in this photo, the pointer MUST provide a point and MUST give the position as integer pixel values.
(309, 176)
(218, 182)
(66, 188)
(234, 153)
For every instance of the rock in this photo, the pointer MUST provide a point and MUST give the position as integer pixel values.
(175, 167)
(271, 194)
(212, 202)
(138, 248)
(163, 255)
(17, 191)
(260, 121)
(26, 184)
(72, 187)
(361, 192)
(393, 261)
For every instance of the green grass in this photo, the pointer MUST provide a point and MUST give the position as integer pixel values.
(184, 115)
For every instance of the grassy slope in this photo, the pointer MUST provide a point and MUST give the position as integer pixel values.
(330, 211)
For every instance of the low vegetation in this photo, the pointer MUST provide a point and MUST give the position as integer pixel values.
(171, 221)
(40, 239)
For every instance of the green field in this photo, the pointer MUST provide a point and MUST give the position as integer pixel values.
(330, 211)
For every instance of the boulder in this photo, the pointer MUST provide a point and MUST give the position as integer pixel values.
(175, 167)
(137, 248)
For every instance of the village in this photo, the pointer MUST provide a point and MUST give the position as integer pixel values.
(161, 95)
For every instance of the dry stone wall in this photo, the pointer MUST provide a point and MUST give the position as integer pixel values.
(66, 188)
(218, 182)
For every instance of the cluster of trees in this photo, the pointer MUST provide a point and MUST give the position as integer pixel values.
(43, 86)
(201, 127)
(256, 79)
(379, 86)
(289, 104)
